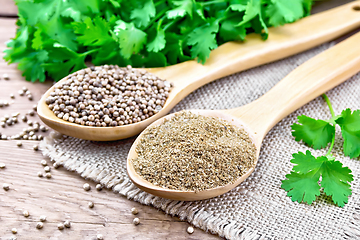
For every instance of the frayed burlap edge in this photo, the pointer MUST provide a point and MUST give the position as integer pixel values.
(198, 217)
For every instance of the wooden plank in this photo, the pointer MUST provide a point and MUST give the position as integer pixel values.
(8, 8)
(62, 197)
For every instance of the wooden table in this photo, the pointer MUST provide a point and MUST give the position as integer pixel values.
(62, 197)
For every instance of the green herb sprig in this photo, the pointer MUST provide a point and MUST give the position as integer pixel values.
(56, 37)
(302, 184)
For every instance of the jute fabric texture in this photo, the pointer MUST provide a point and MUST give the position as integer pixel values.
(258, 208)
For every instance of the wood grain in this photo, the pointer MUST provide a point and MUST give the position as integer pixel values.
(8, 8)
(62, 197)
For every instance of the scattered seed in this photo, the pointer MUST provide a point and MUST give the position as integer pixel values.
(6, 187)
(30, 97)
(25, 137)
(56, 165)
(21, 92)
(12, 238)
(36, 147)
(134, 211)
(86, 187)
(91, 204)
(3, 137)
(60, 226)
(99, 237)
(14, 230)
(43, 128)
(19, 143)
(99, 187)
(42, 218)
(9, 122)
(2, 165)
(6, 103)
(6, 76)
(3, 124)
(39, 225)
(67, 224)
(34, 107)
(24, 88)
(40, 137)
(136, 221)
(26, 213)
(190, 230)
(24, 118)
(12, 95)
(47, 169)
(44, 162)
(48, 175)
(40, 174)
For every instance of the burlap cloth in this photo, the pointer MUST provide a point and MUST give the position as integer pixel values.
(258, 208)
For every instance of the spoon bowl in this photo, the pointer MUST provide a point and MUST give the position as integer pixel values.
(227, 59)
(308, 81)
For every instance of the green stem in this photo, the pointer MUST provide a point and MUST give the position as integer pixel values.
(160, 14)
(211, 2)
(329, 105)
(332, 145)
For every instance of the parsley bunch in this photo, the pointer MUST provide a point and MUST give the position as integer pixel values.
(302, 183)
(56, 37)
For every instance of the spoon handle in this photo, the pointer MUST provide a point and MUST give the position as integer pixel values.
(282, 42)
(306, 82)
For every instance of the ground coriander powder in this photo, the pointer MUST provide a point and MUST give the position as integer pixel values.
(191, 152)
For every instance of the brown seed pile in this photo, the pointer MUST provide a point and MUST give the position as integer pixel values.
(108, 96)
(192, 152)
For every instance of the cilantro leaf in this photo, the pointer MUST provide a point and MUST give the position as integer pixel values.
(315, 133)
(202, 40)
(284, 11)
(183, 7)
(141, 16)
(65, 59)
(302, 182)
(33, 12)
(335, 181)
(32, 66)
(17, 46)
(93, 32)
(350, 129)
(131, 39)
(158, 43)
(302, 187)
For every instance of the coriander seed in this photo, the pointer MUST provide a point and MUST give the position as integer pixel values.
(6, 187)
(26, 213)
(99, 187)
(36, 147)
(134, 211)
(31, 112)
(86, 187)
(2, 165)
(14, 230)
(47, 169)
(42, 218)
(19, 143)
(40, 174)
(48, 175)
(39, 225)
(190, 230)
(99, 237)
(60, 226)
(91, 204)
(108, 96)
(12, 96)
(44, 162)
(56, 165)
(67, 224)
(24, 118)
(6, 76)
(136, 221)
(21, 92)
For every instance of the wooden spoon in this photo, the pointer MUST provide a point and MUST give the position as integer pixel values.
(308, 81)
(229, 58)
